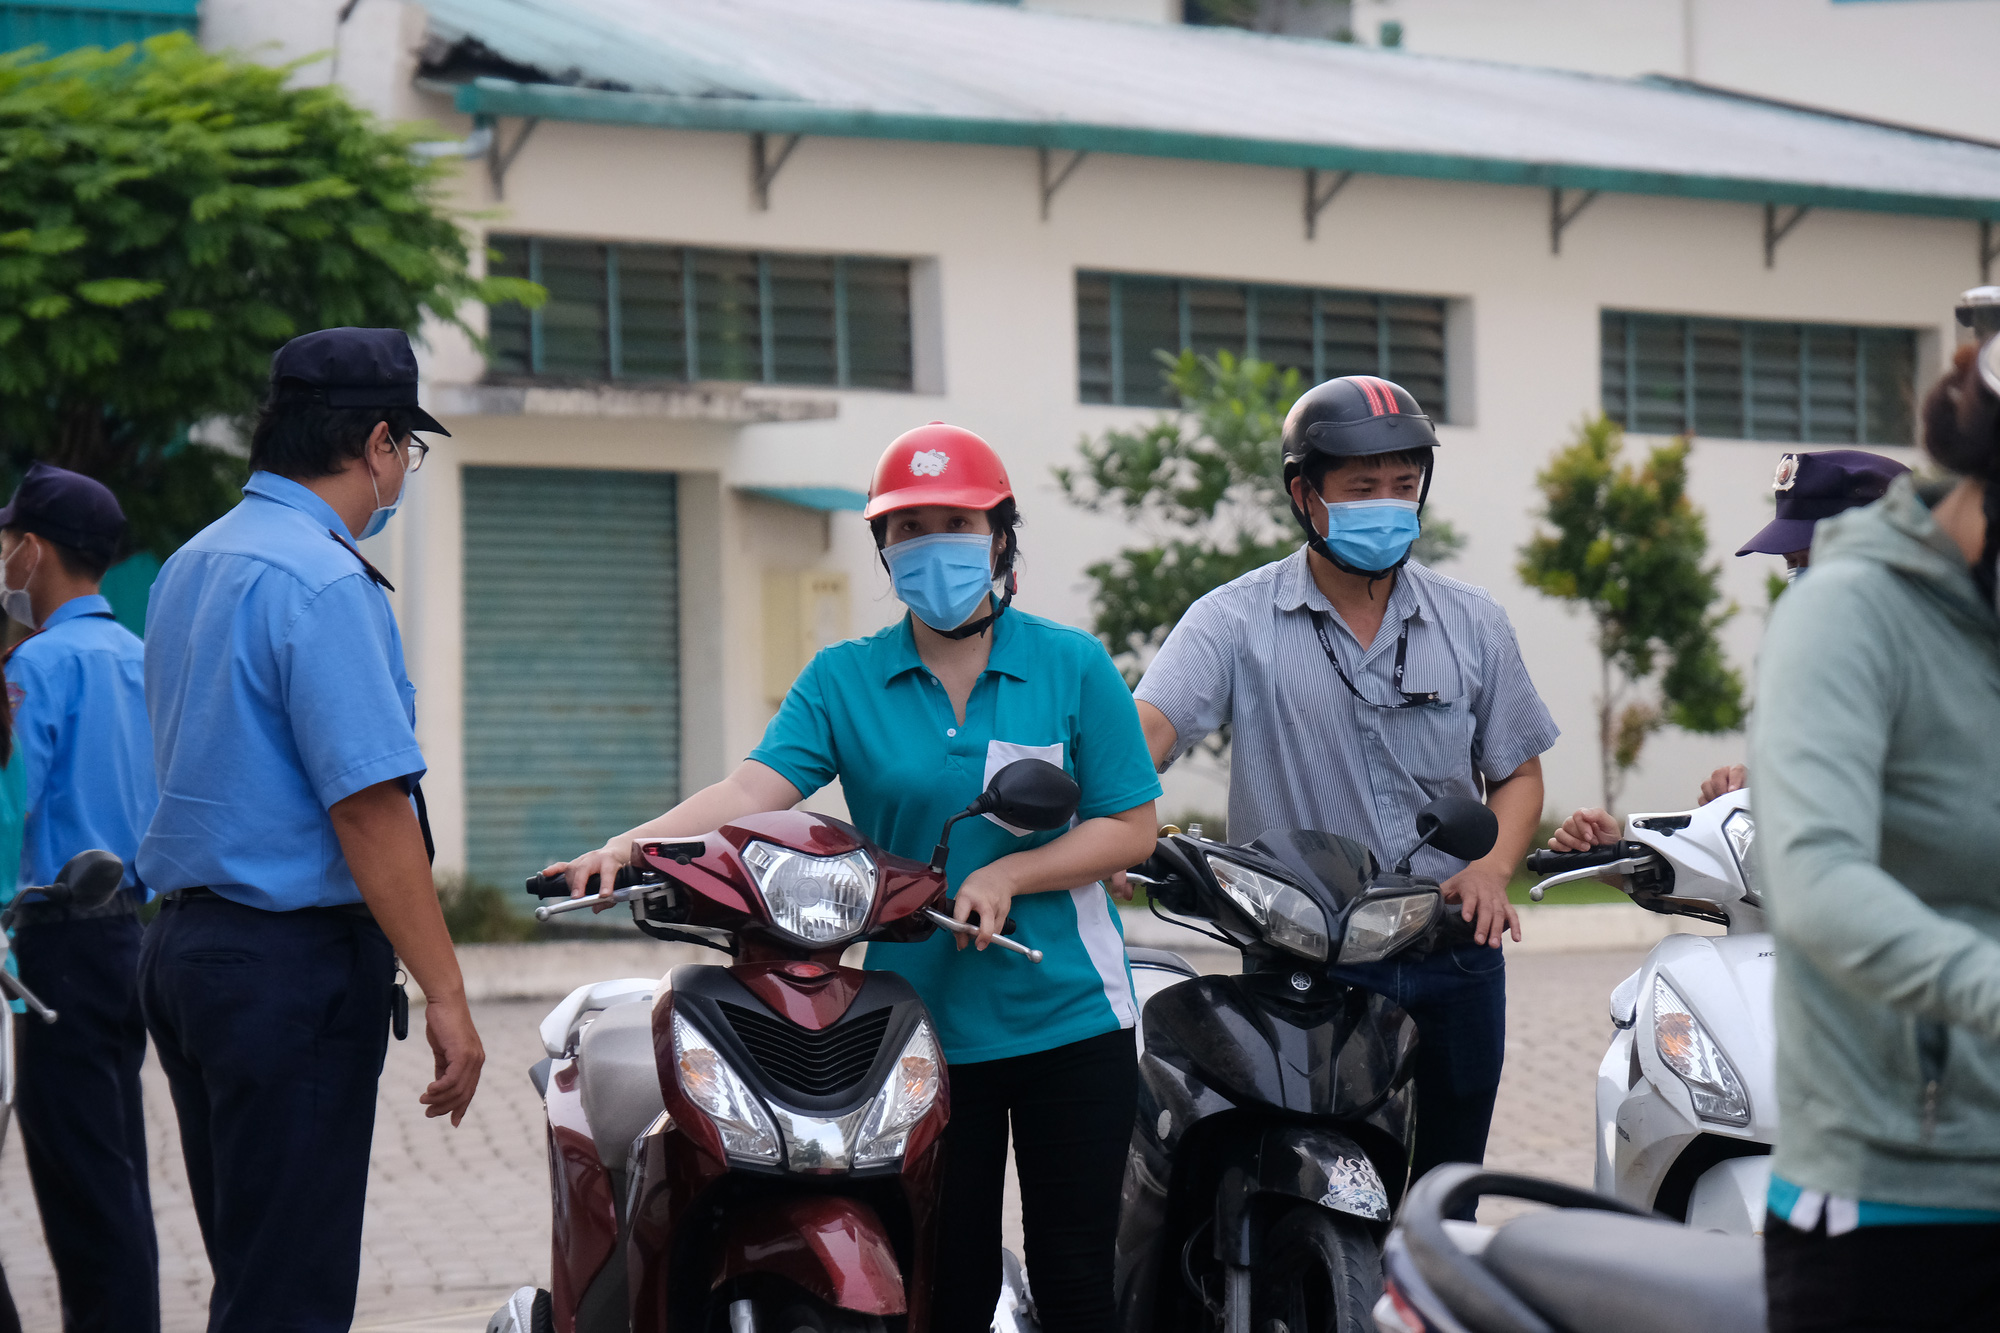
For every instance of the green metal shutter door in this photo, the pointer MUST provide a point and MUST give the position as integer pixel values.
(572, 665)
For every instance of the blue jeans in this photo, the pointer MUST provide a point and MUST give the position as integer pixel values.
(1458, 997)
(271, 1028)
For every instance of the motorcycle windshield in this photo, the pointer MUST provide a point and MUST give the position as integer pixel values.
(1339, 866)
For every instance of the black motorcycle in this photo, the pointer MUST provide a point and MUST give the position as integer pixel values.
(1275, 1107)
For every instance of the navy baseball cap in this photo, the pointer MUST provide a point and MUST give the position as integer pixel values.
(69, 508)
(1811, 487)
(356, 368)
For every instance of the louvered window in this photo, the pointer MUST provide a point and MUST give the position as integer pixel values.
(1123, 320)
(635, 312)
(1754, 380)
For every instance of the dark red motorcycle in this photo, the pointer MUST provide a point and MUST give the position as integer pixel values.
(755, 1148)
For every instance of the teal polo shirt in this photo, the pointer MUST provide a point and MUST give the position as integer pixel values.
(870, 713)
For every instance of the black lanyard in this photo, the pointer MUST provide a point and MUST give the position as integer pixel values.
(1402, 653)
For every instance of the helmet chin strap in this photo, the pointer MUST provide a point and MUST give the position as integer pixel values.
(1316, 541)
(985, 622)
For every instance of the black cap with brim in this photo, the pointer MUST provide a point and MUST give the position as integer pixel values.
(67, 508)
(1781, 536)
(356, 368)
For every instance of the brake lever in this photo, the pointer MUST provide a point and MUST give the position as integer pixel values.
(966, 928)
(1624, 867)
(544, 912)
(17, 989)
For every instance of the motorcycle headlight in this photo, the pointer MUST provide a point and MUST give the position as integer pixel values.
(820, 899)
(1741, 830)
(910, 1092)
(1691, 1053)
(723, 1096)
(1287, 917)
(1379, 926)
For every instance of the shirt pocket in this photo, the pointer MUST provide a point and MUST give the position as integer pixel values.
(999, 754)
(1433, 744)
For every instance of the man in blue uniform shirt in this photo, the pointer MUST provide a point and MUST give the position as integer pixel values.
(77, 689)
(292, 858)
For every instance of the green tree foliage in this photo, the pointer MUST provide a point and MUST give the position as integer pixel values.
(168, 217)
(1206, 483)
(1628, 545)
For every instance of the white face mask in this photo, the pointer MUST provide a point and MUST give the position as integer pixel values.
(15, 601)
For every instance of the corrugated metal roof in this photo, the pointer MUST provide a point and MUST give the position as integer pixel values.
(919, 69)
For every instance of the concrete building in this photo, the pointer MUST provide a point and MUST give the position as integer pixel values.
(779, 232)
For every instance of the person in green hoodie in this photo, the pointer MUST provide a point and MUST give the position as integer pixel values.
(1874, 741)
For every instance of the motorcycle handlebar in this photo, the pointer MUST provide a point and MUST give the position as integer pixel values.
(1555, 863)
(557, 886)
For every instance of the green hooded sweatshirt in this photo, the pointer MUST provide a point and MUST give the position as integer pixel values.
(1875, 760)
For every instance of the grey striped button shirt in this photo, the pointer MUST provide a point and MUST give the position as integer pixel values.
(1304, 752)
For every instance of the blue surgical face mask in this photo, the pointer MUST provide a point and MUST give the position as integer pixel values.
(383, 512)
(942, 577)
(1371, 534)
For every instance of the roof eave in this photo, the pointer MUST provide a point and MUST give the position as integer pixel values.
(501, 97)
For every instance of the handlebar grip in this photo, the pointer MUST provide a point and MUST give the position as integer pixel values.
(1546, 862)
(1008, 928)
(557, 886)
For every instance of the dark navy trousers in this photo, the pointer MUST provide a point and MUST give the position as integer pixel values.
(82, 1120)
(1458, 997)
(272, 1027)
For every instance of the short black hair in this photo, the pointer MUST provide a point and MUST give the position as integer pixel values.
(1003, 517)
(76, 562)
(1317, 465)
(299, 436)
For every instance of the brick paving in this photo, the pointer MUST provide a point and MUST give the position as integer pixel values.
(458, 1218)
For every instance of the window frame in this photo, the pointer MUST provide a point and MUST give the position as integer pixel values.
(770, 345)
(1755, 365)
(1387, 308)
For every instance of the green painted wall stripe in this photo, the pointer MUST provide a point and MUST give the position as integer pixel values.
(501, 97)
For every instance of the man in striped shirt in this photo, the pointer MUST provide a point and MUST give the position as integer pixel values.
(1358, 687)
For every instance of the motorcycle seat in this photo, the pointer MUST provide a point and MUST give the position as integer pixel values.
(1584, 1270)
(618, 1079)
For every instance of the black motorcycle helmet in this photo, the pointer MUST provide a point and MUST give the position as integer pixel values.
(1355, 416)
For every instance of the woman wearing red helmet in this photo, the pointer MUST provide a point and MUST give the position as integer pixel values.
(913, 721)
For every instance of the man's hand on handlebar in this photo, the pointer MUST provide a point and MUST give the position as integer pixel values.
(1120, 885)
(1586, 829)
(604, 864)
(1722, 781)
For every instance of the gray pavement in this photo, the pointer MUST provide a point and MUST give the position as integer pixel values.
(458, 1218)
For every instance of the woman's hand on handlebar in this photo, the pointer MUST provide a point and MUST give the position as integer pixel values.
(1586, 829)
(987, 892)
(604, 863)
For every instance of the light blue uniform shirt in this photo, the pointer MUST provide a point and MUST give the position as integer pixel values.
(79, 694)
(870, 713)
(13, 821)
(274, 675)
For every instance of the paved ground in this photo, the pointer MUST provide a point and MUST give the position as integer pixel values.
(458, 1218)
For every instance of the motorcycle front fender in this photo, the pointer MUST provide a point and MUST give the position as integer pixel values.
(832, 1247)
(1286, 1163)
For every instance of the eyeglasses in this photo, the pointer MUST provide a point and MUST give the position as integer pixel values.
(418, 452)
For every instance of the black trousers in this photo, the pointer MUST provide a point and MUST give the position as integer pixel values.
(83, 1127)
(1071, 1110)
(271, 1027)
(1900, 1279)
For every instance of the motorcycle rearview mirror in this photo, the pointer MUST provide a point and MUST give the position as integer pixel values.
(88, 880)
(1457, 826)
(1031, 794)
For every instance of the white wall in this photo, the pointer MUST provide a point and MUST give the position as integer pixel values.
(1921, 62)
